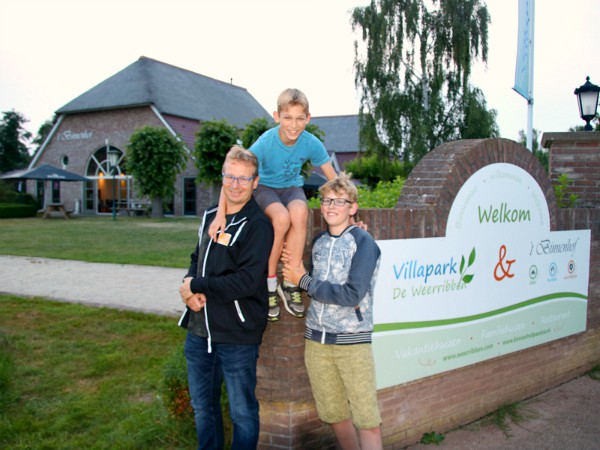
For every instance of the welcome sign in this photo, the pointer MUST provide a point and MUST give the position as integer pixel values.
(498, 282)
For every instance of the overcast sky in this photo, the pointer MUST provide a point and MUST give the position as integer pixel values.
(51, 51)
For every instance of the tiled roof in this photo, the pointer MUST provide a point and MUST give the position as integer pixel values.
(171, 90)
(341, 132)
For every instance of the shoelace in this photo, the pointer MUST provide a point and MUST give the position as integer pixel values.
(296, 297)
(272, 300)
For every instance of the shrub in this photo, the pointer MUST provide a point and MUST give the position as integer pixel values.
(175, 391)
(560, 191)
(384, 195)
(16, 210)
(176, 396)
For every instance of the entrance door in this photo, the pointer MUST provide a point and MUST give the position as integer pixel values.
(189, 197)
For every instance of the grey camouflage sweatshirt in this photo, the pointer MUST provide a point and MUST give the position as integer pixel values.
(341, 284)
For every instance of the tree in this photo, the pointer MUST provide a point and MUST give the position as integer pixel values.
(213, 141)
(154, 158)
(42, 134)
(13, 142)
(414, 79)
(254, 130)
(540, 153)
(595, 122)
(478, 121)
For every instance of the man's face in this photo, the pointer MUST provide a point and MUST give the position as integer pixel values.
(237, 195)
(292, 121)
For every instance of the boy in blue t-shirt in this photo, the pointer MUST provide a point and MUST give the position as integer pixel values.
(281, 152)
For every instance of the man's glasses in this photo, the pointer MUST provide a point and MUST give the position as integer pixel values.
(326, 201)
(242, 181)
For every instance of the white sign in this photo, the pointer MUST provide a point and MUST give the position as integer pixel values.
(499, 282)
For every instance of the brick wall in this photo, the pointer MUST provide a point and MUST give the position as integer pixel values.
(447, 400)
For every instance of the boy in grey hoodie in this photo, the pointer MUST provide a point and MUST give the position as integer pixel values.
(339, 323)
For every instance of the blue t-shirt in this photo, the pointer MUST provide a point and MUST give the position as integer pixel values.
(279, 165)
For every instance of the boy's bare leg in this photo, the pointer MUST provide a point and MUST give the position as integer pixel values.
(370, 439)
(280, 218)
(345, 433)
(295, 239)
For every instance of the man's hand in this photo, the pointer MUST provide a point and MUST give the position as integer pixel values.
(196, 302)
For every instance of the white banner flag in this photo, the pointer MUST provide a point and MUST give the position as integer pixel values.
(523, 82)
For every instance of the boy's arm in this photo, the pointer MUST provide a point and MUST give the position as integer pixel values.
(328, 170)
(219, 222)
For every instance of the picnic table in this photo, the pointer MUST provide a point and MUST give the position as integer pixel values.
(55, 207)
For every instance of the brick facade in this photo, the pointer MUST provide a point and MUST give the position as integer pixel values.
(88, 133)
(447, 400)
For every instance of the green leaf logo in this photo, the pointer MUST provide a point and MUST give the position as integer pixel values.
(467, 278)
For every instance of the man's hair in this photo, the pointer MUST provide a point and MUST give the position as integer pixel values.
(341, 183)
(292, 97)
(240, 154)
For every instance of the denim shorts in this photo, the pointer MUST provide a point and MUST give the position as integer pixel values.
(265, 195)
(342, 378)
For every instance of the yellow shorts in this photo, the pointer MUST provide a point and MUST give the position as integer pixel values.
(342, 378)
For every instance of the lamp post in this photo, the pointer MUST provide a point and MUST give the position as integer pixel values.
(587, 100)
(113, 159)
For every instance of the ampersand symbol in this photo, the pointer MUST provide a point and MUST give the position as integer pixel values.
(504, 272)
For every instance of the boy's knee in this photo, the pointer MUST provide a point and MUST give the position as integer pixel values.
(281, 221)
(298, 212)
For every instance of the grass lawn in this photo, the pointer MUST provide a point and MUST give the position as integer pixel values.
(77, 377)
(128, 240)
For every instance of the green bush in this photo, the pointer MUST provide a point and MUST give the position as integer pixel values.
(384, 195)
(175, 391)
(9, 195)
(372, 169)
(7, 369)
(17, 210)
(563, 198)
(176, 396)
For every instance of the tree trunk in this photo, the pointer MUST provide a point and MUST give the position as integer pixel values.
(157, 208)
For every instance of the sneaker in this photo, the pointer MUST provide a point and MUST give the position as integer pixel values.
(292, 300)
(273, 307)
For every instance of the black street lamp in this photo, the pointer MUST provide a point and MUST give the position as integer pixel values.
(113, 160)
(587, 100)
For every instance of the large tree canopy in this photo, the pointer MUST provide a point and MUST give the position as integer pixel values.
(13, 142)
(413, 68)
(154, 158)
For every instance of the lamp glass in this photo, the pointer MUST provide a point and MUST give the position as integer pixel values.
(588, 102)
(113, 157)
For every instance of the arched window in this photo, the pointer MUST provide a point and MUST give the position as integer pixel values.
(106, 188)
(99, 166)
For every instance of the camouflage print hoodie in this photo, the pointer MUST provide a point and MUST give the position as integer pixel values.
(341, 284)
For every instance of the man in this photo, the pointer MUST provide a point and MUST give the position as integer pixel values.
(226, 294)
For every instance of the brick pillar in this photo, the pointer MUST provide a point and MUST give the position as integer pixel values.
(576, 155)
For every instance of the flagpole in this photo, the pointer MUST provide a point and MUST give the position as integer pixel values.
(530, 100)
(524, 67)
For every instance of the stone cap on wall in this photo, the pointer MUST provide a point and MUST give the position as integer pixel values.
(572, 136)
